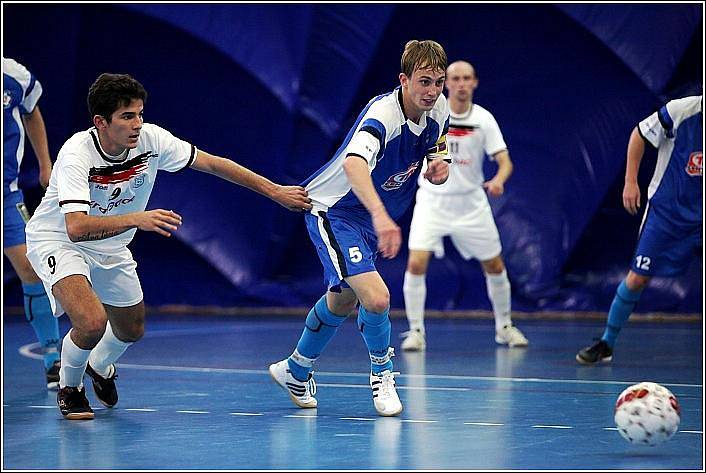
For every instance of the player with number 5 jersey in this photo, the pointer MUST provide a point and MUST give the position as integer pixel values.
(356, 196)
(672, 225)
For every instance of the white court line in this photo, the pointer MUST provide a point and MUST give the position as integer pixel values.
(356, 418)
(420, 388)
(482, 423)
(140, 409)
(552, 427)
(245, 414)
(610, 428)
(349, 435)
(300, 417)
(45, 407)
(690, 432)
(194, 412)
(26, 350)
(414, 421)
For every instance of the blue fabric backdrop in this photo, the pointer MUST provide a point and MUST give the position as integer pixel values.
(276, 86)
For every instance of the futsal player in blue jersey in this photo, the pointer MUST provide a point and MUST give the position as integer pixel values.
(21, 92)
(671, 229)
(356, 196)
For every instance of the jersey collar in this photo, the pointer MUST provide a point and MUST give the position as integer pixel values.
(112, 159)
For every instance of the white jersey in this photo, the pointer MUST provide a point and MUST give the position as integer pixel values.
(471, 136)
(86, 179)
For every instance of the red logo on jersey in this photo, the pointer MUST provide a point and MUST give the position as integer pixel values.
(121, 172)
(695, 165)
(462, 130)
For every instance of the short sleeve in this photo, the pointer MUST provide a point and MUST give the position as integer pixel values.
(494, 141)
(652, 129)
(174, 154)
(72, 185)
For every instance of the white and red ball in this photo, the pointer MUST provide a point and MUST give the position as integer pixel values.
(647, 414)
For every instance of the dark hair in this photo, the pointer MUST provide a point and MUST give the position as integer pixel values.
(422, 55)
(111, 91)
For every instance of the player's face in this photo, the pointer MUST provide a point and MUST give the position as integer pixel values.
(123, 131)
(421, 90)
(461, 81)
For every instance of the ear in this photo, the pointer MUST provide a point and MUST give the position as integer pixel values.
(100, 122)
(404, 80)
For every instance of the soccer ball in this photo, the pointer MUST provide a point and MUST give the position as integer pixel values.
(647, 414)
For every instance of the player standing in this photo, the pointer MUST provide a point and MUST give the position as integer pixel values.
(21, 92)
(459, 208)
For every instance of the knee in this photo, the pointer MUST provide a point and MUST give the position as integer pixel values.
(132, 333)
(136, 331)
(636, 282)
(417, 265)
(89, 332)
(377, 303)
(494, 266)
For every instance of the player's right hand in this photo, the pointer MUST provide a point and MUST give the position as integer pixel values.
(631, 197)
(159, 220)
(388, 233)
(295, 198)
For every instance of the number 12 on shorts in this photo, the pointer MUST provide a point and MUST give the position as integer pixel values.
(643, 262)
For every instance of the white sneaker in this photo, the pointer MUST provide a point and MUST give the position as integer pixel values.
(511, 336)
(415, 341)
(301, 392)
(385, 397)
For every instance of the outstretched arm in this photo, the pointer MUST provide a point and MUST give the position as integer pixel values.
(631, 190)
(294, 198)
(37, 134)
(387, 231)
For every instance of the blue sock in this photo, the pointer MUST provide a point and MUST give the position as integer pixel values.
(623, 304)
(375, 329)
(320, 327)
(46, 326)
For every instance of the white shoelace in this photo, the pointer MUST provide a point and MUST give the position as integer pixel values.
(387, 385)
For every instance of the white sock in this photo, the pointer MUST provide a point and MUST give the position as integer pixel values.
(107, 352)
(415, 294)
(499, 295)
(73, 363)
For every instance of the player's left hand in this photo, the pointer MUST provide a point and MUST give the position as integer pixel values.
(437, 171)
(44, 175)
(295, 198)
(494, 188)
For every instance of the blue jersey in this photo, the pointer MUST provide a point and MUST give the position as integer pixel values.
(21, 91)
(676, 188)
(671, 227)
(393, 147)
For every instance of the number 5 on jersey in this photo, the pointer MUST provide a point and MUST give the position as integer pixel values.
(354, 254)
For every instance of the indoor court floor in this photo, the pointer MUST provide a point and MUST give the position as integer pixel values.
(195, 394)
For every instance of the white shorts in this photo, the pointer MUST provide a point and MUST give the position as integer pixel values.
(113, 277)
(466, 218)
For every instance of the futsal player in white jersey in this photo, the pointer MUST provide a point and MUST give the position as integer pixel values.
(96, 200)
(459, 208)
(21, 115)
(671, 232)
(357, 195)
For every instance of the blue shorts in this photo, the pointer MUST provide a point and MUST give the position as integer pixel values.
(665, 249)
(345, 247)
(13, 225)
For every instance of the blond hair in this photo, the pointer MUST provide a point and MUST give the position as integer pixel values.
(425, 54)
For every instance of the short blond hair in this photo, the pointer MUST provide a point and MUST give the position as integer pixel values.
(426, 54)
